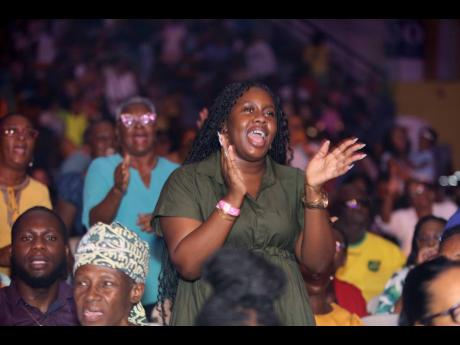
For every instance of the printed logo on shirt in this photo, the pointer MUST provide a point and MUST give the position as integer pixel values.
(373, 265)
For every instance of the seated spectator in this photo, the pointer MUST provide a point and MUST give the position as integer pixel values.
(322, 296)
(431, 294)
(401, 223)
(245, 286)
(371, 259)
(425, 246)
(111, 265)
(423, 160)
(450, 243)
(19, 191)
(346, 295)
(125, 186)
(38, 295)
(100, 141)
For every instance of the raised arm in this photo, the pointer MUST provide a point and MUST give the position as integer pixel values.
(106, 210)
(191, 242)
(314, 247)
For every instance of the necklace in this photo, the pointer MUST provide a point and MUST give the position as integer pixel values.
(31, 316)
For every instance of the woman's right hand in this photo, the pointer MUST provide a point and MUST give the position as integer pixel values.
(121, 174)
(231, 173)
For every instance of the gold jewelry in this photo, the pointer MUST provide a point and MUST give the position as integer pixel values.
(225, 216)
(321, 203)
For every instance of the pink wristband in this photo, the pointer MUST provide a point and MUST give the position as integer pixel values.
(228, 209)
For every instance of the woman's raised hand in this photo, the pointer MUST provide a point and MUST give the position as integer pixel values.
(326, 165)
(231, 173)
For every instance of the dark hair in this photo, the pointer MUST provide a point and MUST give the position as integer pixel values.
(17, 224)
(242, 282)
(89, 129)
(415, 296)
(418, 227)
(449, 232)
(207, 142)
(11, 114)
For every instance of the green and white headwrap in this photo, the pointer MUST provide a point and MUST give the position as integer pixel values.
(115, 246)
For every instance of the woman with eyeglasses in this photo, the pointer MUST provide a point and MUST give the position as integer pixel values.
(431, 294)
(125, 186)
(19, 191)
(425, 246)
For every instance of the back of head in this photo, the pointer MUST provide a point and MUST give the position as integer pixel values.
(239, 273)
(245, 286)
(415, 295)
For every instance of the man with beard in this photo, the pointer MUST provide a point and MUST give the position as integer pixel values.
(38, 295)
(371, 259)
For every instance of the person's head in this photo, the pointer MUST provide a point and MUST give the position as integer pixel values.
(17, 141)
(245, 286)
(427, 138)
(353, 209)
(450, 243)
(431, 294)
(420, 194)
(397, 141)
(318, 283)
(111, 264)
(297, 130)
(187, 138)
(252, 119)
(136, 126)
(39, 248)
(426, 239)
(101, 138)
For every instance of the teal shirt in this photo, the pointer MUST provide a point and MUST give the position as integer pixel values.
(138, 199)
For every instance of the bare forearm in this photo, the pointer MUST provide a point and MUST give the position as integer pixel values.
(317, 249)
(195, 248)
(200, 244)
(106, 210)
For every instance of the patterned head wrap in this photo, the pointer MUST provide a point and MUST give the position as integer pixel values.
(115, 246)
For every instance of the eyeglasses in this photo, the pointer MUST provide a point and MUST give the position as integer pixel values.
(356, 203)
(130, 120)
(28, 133)
(453, 312)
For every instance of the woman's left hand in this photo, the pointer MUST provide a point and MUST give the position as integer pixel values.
(326, 165)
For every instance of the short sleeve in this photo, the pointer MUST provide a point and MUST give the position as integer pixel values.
(178, 198)
(98, 181)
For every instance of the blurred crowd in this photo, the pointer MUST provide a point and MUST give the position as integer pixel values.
(69, 78)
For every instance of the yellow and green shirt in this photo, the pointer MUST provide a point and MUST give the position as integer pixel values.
(370, 263)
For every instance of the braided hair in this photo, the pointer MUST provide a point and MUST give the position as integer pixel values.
(207, 142)
(204, 145)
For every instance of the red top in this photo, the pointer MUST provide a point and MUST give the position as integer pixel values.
(350, 297)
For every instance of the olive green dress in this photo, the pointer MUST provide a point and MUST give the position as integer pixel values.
(268, 225)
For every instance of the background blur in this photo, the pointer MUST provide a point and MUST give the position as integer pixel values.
(339, 77)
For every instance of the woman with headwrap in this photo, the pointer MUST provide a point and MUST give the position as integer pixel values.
(111, 264)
